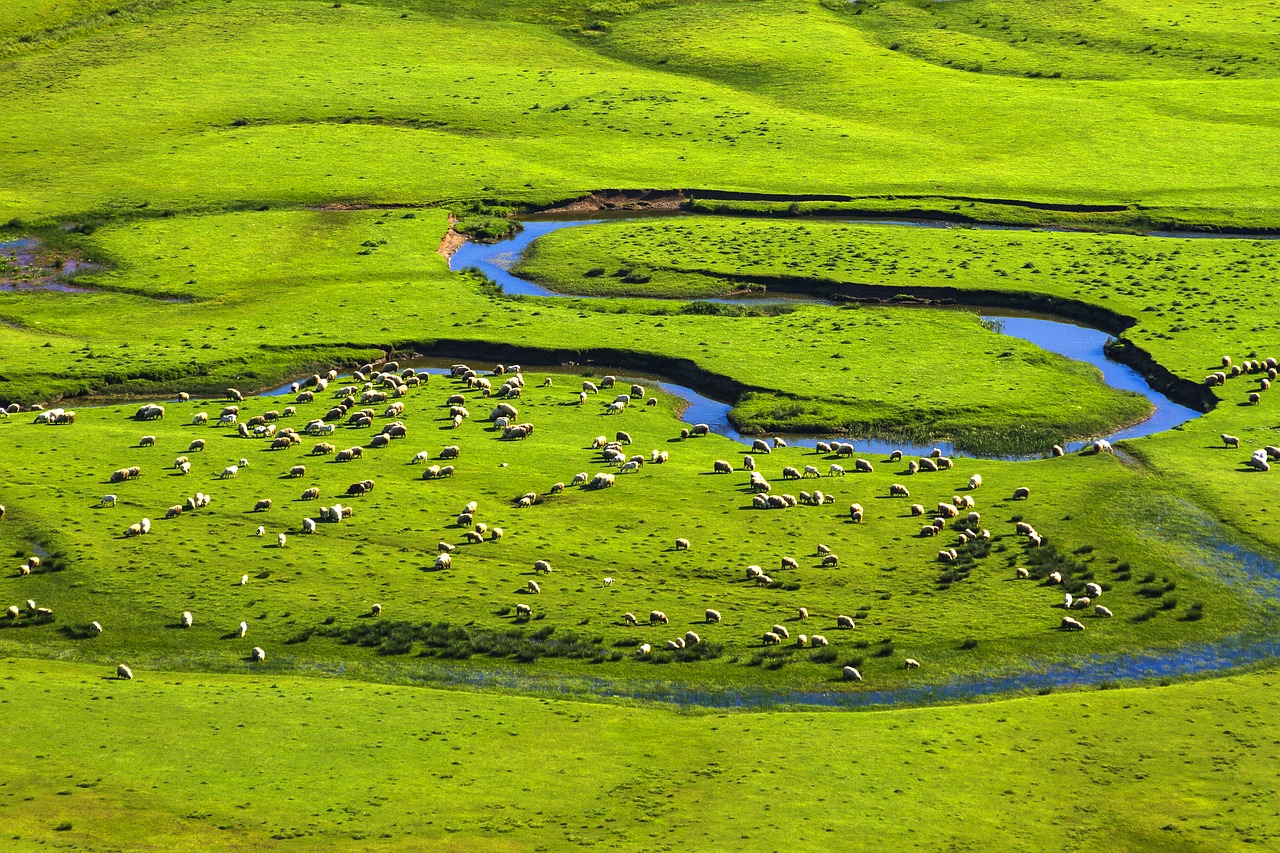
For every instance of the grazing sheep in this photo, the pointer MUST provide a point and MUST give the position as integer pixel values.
(913, 467)
(844, 622)
(262, 505)
(643, 649)
(1093, 589)
(308, 525)
(1101, 445)
(280, 540)
(700, 430)
(124, 673)
(444, 561)
(1022, 573)
(229, 471)
(523, 611)
(722, 467)
(947, 510)
(532, 587)
(186, 619)
(975, 481)
(675, 645)
(657, 617)
(682, 544)
(630, 618)
(1021, 493)
(1066, 600)
(1255, 398)
(760, 446)
(601, 480)
(948, 556)
(1055, 577)
(1230, 440)
(897, 490)
(1070, 624)
(917, 509)
(790, 563)
(850, 673)
(258, 655)
(1036, 540)
(789, 473)
(107, 500)
(862, 466)
(1081, 603)
(855, 513)
(754, 572)
(928, 530)
(12, 612)
(927, 464)
(173, 511)
(542, 567)
(771, 639)
(835, 470)
(1102, 612)
(830, 561)
(712, 616)
(911, 663)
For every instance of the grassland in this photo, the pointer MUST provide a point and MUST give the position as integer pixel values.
(1189, 300)
(265, 184)
(248, 298)
(199, 105)
(178, 761)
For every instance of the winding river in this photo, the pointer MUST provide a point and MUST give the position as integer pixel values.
(1073, 340)
(1254, 574)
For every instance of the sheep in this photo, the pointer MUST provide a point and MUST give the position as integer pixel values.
(308, 525)
(280, 540)
(12, 612)
(1082, 603)
(1230, 440)
(675, 645)
(700, 430)
(533, 588)
(845, 450)
(229, 472)
(722, 467)
(974, 518)
(443, 561)
(1066, 600)
(1255, 398)
(1102, 612)
(928, 530)
(643, 649)
(754, 572)
(657, 617)
(850, 673)
(1021, 493)
(629, 467)
(789, 473)
(660, 457)
(911, 663)
(844, 622)
(712, 616)
(862, 466)
(258, 655)
(107, 500)
(897, 490)
(1070, 624)
(262, 505)
(186, 620)
(1101, 445)
(835, 470)
(173, 511)
(1022, 573)
(608, 381)
(912, 468)
(790, 563)
(945, 463)
(947, 510)
(855, 513)
(589, 387)
(926, 464)
(1093, 589)
(975, 481)
(601, 480)
(450, 452)
(1226, 361)
(760, 446)
(1036, 540)
(324, 448)
(542, 567)
(652, 401)
(630, 618)
(123, 673)
(1055, 577)
(948, 556)
(579, 479)
(917, 509)
(348, 455)
(817, 641)
(830, 561)
(771, 639)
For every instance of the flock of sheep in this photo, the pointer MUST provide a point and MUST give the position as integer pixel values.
(388, 385)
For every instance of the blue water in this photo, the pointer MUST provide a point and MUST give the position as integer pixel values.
(1072, 340)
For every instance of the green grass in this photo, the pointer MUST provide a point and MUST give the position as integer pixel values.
(247, 298)
(181, 761)
(205, 105)
(1191, 300)
(305, 601)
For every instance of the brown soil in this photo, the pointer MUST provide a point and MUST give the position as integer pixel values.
(622, 200)
(450, 242)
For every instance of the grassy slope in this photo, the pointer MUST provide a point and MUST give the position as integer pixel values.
(889, 578)
(296, 281)
(701, 95)
(181, 762)
(1194, 299)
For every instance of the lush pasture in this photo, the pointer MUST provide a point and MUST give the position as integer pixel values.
(308, 602)
(181, 761)
(192, 105)
(1191, 300)
(245, 298)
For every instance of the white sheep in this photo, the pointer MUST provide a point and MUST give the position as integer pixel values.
(107, 500)
(280, 540)
(975, 481)
(844, 622)
(1070, 624)
(186, 620)
(532, 587)
(1101, 612)
(835, 470)
(911, 663)
(124, 673)
(712, 615)
(682, 544)
(244, 629)
(229, 472)
(851, 674)
(258, 655)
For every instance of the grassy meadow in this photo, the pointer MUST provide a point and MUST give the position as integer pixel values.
(182, 761)
(262, 189)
